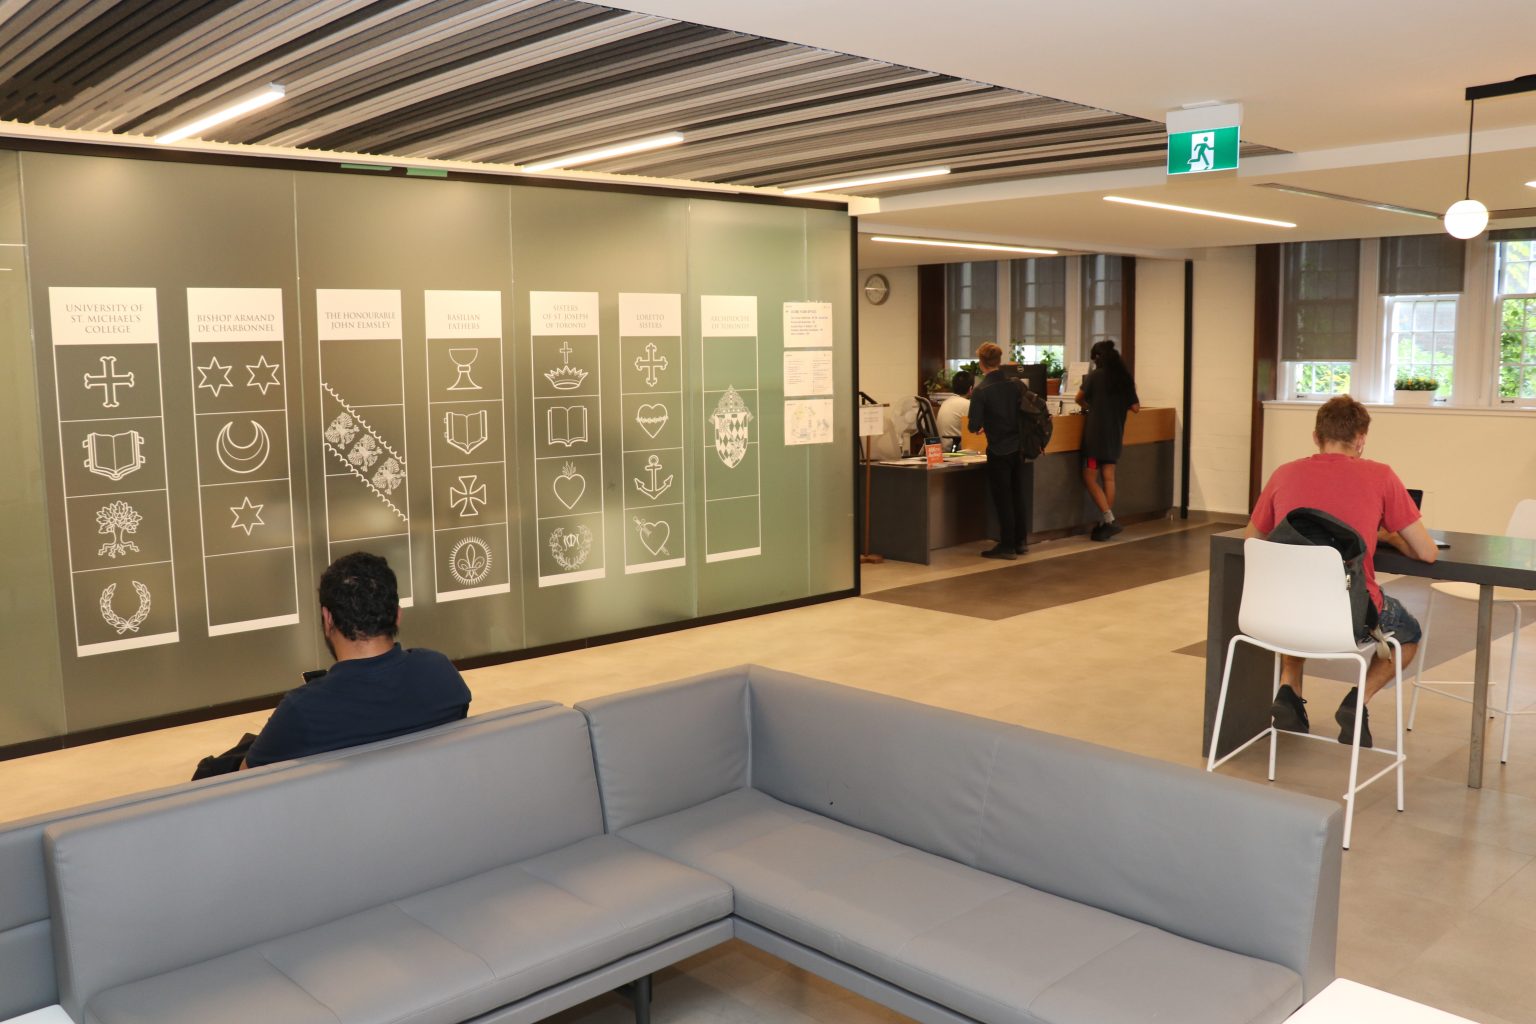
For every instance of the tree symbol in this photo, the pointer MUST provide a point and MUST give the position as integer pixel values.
(116, 520)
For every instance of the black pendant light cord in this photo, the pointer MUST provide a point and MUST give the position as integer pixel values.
(1470, 117)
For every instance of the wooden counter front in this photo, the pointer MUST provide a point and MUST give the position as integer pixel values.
(1142, 427)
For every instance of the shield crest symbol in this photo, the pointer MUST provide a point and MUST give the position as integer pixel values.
(466, 431)
(731, 418)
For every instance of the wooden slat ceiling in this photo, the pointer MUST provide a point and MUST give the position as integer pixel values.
(517, 81)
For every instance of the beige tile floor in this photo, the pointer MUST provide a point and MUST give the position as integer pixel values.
(1439, 903)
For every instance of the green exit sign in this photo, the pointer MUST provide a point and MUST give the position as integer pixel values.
(1206, 149)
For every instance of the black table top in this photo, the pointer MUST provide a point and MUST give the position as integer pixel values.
(1471, 558)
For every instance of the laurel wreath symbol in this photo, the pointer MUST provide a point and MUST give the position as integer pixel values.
(116, 621)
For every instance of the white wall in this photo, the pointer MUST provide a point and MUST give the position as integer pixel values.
(1221, 406)
(1472, 464)
(1221, 401)
(1160, 344)
(888, 337)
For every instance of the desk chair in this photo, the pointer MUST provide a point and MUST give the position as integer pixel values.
(1522, 523)
(927, 420)
(1295, 602)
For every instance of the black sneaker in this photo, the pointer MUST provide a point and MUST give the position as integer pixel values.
(1290, 713)
(999, 552)
(1097, 533)
(1110, 529)
(1022, 549)
(1345, 716)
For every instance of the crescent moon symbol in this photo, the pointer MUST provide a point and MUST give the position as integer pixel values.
(243, 459)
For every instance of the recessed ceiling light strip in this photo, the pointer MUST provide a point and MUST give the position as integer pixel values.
(594, 155)
(879, 179)
(270, 95)
(988, 246)
(1199, 212)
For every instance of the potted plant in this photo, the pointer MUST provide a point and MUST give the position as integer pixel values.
(939, 382)
(1414, 390)
(1053, 371)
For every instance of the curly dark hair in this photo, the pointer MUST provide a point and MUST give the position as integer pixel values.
(360, 592)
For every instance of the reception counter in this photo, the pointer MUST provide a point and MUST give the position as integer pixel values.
(915, 510)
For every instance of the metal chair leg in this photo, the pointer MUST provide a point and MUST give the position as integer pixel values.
(1354, 756)
(1423, 656)
(1509, 687)
(638, 992)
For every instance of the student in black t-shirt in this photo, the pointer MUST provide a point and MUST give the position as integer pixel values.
(374, 691)
(1107, 393)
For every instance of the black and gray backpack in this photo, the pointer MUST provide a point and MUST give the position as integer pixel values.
(1316, 527)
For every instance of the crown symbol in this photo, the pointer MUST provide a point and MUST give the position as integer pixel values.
(566, 378)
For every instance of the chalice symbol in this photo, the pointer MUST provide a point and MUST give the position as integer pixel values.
(463, 361)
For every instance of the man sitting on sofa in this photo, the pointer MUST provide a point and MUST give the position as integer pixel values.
(376, 689)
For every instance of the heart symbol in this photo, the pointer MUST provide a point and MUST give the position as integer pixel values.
(651, 418)
(570, 486)
(654, 536)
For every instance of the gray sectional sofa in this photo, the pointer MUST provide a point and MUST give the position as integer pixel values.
(953, 868)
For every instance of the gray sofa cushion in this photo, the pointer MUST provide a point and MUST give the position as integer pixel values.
(26, 940)
(442, 956)
(996, 950)
(646, 772)
(216, 871)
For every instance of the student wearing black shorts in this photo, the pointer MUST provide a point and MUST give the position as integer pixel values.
(1107, 394)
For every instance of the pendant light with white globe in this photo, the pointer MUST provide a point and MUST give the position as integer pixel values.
(1466, 218)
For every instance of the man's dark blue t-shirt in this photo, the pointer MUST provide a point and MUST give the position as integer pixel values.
(361, 700)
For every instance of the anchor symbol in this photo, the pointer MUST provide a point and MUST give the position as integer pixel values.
(655, 490)
(650, 363)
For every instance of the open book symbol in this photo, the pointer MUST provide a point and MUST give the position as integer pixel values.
(113, 456)
(567, 424)
(466, 431)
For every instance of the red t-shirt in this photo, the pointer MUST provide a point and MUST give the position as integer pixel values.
(1367, 495)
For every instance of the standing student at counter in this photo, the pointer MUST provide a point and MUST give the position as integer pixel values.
(995, 413)
(1107, 394)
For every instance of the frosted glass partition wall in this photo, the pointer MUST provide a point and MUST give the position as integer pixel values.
(560, 414)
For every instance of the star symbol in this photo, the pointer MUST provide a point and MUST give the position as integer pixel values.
(267, 371)
(214, 376)
(247, 516)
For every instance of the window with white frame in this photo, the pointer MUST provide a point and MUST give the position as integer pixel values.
(1319, 303)
(1516, 324)
(1421, 339)
(970, 308)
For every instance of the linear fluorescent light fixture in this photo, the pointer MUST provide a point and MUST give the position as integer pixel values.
(1199, 212)
(594, 155)
(878, 179)
(266, 97)
(1313, 193)
(989, 246)
(1530, 184)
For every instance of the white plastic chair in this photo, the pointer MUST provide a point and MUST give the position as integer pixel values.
(1296, 602)
(1522, 523)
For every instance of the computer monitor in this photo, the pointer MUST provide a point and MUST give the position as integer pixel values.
(1032, 374)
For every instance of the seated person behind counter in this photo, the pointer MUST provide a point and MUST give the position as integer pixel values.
(956, 408)
(375, 690)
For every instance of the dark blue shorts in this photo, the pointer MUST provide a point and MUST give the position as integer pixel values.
(1394, 619)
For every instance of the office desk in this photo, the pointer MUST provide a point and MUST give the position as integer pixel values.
(1471, 558)
(915, 510)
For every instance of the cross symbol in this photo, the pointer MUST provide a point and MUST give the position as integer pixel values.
(109, 380)
(468, 496)
(650, 363)
(566, 350)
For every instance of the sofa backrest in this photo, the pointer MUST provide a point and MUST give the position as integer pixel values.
(662, 748)
(27, 979)
(216, 870)
(1222, 861)
(910, 772)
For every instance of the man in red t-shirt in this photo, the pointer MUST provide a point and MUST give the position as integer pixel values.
(1369, 497)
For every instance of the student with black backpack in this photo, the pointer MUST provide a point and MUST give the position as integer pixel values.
(995, 412)
(1366, 498)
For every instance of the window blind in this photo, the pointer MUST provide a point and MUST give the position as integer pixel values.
(1103, 304)
(970, 307)
(1039, 301)
(1422, 265)
(1319, 300)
